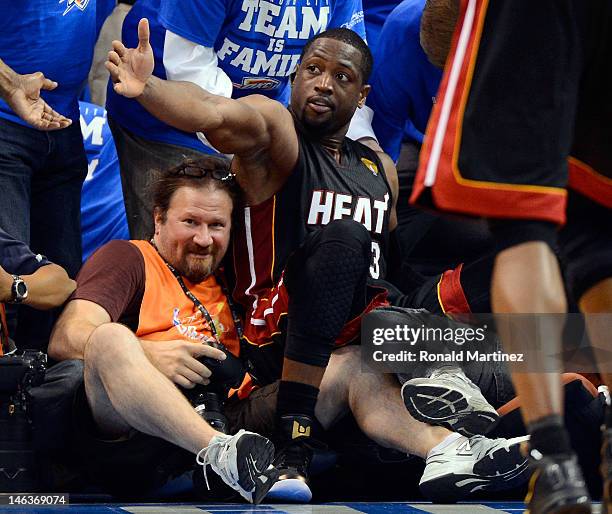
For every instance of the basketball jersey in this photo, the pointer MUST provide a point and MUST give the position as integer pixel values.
(318, 191)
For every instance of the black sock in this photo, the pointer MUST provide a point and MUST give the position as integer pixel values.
(549, 436)
(295, 398)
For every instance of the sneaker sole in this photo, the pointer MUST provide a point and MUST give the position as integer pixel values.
(572, 508)
(499, 471)
(262, 452)
(290, 490)
(430, 404)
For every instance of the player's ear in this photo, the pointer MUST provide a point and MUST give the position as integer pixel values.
(363, 94)
(293, 74)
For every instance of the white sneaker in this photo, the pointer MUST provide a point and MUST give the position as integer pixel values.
(450, 399)
(466, 466)
(243, 461)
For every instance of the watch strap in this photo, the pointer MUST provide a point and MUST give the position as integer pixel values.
(15, 296)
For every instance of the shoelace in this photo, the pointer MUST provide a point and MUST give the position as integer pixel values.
(475, 445)
(452, 372)
(456, 373)
(204, 458)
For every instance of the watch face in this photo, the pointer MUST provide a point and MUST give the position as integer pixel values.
(22, 289)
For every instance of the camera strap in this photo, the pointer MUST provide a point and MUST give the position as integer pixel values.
(203, 310)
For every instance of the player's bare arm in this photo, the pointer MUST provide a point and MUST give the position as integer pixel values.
(259, 131)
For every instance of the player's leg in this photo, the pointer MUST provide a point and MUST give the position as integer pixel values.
(587, 238)
(461, 399)
(586, 243)
(454, 463)
(484, 158)
(326, 280)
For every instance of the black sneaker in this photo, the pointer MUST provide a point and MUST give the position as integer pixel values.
(556, 485)
(296, 443)
(293, 462)
(243, 461)
(606, 470)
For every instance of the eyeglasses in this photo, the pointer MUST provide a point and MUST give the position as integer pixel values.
(197, 172)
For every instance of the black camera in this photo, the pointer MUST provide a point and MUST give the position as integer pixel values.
(20, 372)
(18, 463)
(209, 400)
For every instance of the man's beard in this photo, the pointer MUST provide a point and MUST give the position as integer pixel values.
(197, 274)
(196, 270)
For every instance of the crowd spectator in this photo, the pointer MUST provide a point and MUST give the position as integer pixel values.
(42, 171)
(29, 279)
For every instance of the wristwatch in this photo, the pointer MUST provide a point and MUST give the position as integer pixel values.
(19, 290)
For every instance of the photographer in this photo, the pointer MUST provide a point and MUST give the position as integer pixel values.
(143, 318)
(30, 279)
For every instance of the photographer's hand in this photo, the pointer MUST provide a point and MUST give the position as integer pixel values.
(177, 359)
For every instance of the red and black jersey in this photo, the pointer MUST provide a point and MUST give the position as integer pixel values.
(318, 191)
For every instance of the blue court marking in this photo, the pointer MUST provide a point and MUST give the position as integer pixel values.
(328, 508)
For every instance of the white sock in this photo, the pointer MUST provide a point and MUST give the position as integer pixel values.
(450, 438)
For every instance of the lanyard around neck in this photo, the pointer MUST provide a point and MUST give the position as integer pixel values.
(203, 310)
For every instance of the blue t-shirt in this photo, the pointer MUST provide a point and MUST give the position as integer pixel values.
(56, 37)
(375, 13)
(258, 44)
(404, 82)
(102, 209)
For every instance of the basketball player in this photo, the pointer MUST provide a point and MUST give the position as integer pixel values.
(317, 226)
(524, 112)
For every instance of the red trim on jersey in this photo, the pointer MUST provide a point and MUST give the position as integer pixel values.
(438, 163)
(254, 253)
(262, 322)
(592, 184)
(450, 292)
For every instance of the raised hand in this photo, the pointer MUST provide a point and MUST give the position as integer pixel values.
(130, 68)
(23, 96)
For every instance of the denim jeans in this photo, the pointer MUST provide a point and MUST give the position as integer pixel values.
(41, 175)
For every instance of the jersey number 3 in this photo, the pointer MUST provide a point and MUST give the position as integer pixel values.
(375, 266)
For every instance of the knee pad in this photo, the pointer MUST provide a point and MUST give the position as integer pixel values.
(348, 233)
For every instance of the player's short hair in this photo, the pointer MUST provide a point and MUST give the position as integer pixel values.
(437, 27)
(350, 37)
(206, 172)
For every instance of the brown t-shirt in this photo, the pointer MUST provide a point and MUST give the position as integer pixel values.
(114, 278)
